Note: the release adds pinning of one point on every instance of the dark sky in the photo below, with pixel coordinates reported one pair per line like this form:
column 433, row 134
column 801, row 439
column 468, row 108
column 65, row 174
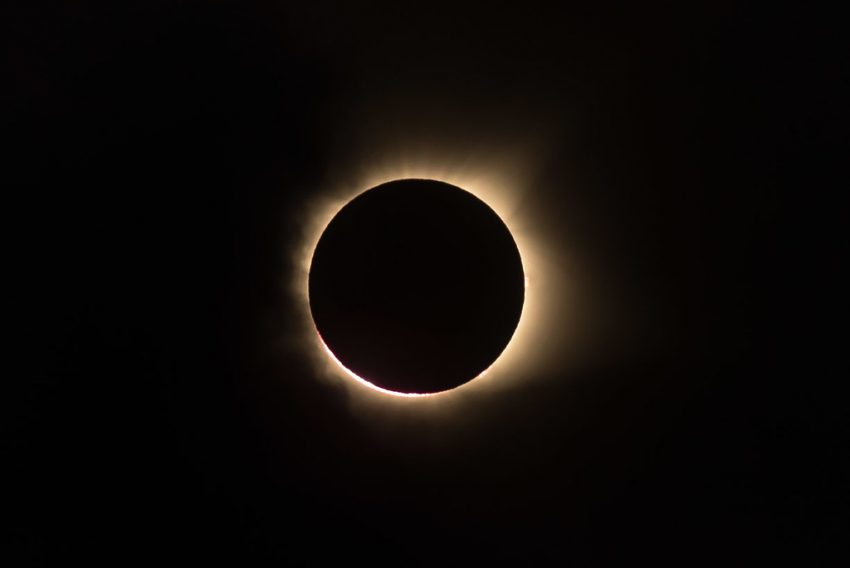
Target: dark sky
column 675, row 166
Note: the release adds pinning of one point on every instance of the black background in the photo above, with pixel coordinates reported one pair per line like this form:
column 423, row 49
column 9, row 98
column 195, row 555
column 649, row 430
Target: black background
column 162, row 154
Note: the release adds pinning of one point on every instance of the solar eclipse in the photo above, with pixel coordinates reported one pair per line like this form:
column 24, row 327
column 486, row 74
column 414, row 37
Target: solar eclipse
column 416, row 287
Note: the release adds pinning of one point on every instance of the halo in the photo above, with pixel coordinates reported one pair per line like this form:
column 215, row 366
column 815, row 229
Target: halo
column 501, row 192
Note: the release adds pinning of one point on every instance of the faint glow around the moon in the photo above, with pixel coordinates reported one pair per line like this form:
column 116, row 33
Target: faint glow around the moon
column 503, row 191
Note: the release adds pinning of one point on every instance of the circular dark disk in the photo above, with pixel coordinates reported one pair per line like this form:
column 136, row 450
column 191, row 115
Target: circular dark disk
column 416, row 286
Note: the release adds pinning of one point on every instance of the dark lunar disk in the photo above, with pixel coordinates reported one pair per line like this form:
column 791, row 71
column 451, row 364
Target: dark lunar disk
column 416, row 286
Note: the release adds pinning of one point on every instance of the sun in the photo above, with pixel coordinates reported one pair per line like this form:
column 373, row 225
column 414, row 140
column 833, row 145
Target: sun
column 502, row 190
column 416, row 286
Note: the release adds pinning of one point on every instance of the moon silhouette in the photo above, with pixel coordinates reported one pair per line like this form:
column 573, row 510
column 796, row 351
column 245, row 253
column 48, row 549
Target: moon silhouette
column 416, row 286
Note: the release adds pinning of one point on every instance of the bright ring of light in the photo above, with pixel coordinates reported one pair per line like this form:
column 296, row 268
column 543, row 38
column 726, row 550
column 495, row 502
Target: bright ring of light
column 502, row 196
